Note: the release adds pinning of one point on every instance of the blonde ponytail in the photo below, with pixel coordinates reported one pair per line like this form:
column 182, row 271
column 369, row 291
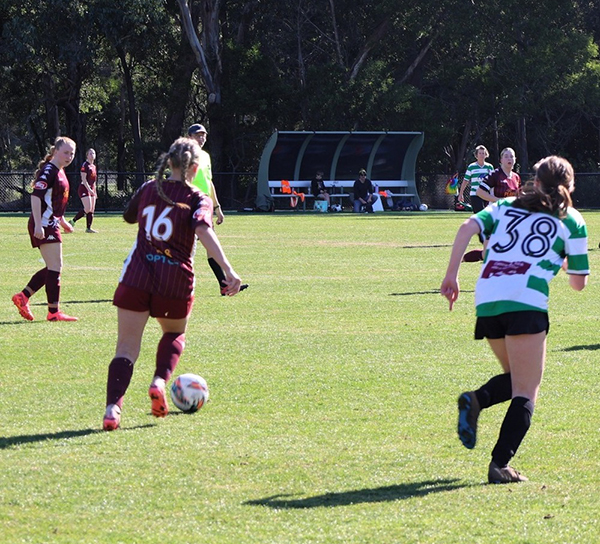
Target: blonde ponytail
column 182, row 153
column 58, row 143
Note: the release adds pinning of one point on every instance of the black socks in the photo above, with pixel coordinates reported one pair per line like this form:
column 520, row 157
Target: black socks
column 514, row 428
column 497, row 390
column 217, row 271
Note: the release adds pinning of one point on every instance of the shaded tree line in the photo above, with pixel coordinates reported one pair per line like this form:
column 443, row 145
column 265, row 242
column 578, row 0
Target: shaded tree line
column 128, row 77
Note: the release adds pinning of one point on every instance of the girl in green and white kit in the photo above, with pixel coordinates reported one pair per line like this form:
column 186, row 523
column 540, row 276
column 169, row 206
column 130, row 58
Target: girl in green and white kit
column 476, row 171
column 531, row 237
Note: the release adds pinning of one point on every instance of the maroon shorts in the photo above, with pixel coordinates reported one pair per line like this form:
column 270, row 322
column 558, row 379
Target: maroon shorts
column 82, row 191
column 51, row 235
column 136, row 300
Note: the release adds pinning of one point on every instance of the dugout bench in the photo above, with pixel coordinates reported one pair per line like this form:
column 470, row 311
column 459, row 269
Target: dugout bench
column 290, row 160
column 298, row 192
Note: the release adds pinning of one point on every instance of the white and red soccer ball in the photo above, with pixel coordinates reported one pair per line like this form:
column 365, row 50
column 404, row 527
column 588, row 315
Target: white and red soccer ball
column 189, row 392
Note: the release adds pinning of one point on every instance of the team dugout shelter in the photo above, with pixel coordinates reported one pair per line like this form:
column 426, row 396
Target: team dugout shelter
column 293, row 157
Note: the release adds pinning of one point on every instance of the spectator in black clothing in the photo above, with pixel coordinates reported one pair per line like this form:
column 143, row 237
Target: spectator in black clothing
column 318, row 189
column 364, row 194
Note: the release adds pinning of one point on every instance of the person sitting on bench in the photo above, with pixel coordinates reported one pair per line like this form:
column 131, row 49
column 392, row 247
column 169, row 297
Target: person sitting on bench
column 318, row 189
column 364, row 194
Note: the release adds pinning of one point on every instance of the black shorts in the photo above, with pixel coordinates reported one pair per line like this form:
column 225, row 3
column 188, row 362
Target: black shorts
column 511, row 324
column 478, row 204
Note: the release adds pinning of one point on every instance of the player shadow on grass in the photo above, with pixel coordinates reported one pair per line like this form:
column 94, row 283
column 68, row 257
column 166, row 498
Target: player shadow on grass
column 587, row 347
column 432, row 292
column 426, row 247
column 378, row 494
column 42, row 303
column 7, row 442
column 100, row 301
column 173, row 413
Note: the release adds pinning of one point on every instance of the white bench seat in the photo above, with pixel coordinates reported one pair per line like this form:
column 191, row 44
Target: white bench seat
column 338, row 189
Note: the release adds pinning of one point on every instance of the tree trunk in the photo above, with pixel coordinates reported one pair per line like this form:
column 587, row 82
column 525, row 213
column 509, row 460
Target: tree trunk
column 121, row 166
column 208, row 77
column 523, row 155
column 51, row 108
column 336, row 36
column 373, row 40
column 463, row 146
column 183, row 69
column 496, row 145
column 208, row 58
column 418, row 59
column 134, row 117
column 73, row 120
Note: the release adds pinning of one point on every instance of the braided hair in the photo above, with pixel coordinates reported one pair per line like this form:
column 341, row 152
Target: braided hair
column 552, row 192
column 182, row 153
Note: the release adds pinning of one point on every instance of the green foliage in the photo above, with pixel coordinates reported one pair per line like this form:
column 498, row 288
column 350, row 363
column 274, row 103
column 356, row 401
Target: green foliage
column 463, row 72
column 333, row 384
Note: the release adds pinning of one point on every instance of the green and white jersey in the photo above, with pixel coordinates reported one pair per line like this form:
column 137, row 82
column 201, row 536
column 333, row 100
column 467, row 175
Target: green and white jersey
column 204, row 175
column 525, row 251
column 476, row 173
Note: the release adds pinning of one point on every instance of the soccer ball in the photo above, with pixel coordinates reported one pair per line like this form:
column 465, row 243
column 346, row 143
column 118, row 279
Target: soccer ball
column 189, row 392
column 336, row 207
column 423, row 207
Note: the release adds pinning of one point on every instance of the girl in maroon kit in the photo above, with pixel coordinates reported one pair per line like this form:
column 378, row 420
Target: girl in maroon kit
column 501, row 183
column 48, row 205
column 158, row 276
column 87, row 191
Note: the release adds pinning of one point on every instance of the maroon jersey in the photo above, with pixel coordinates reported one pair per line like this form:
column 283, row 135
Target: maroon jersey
column 500, row 185
column 90, row 172
column 52, row 188
column 161, row 260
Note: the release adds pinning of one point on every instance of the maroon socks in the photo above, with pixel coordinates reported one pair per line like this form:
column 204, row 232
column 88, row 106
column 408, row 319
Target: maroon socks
column 120, row 371
column 79, row 215
column 169, row 350
column 37, row 281
column 53, row 289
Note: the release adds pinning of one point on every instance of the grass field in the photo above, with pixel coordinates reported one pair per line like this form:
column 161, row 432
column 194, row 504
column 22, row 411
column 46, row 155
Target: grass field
column 333, row 384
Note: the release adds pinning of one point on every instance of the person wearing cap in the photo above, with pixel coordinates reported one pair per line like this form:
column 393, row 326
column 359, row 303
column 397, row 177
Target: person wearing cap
column 203, row 180
column 364, row 194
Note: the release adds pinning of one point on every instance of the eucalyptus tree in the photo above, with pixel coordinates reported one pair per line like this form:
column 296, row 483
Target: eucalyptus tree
column 46, row 57
column 137, row 32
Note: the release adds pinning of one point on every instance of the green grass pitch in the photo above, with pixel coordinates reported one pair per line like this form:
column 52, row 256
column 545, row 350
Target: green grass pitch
column 333, row 383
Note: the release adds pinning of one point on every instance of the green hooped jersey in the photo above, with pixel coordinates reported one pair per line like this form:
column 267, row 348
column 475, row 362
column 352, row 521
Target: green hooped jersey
column 204, row 175
column 524, row 252
column 476, row 173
